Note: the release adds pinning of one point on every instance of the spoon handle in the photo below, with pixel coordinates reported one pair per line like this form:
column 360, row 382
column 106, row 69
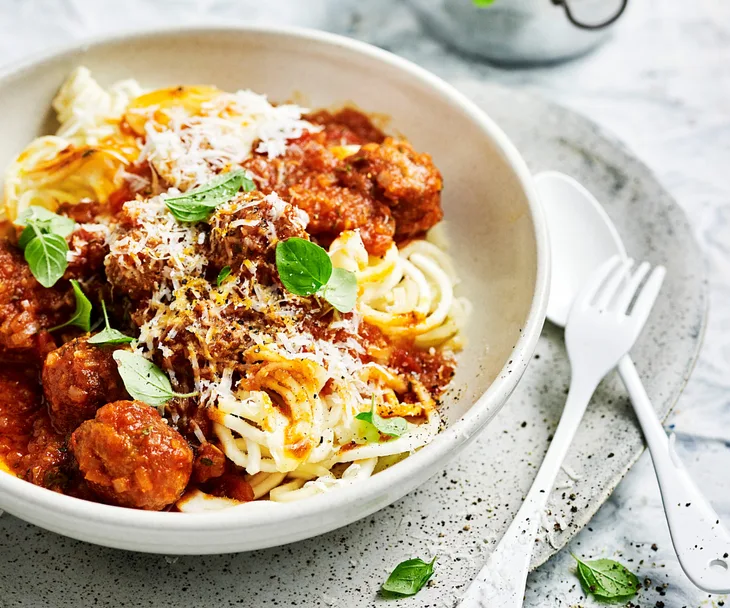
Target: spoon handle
column 701, row 542
column 501, row 581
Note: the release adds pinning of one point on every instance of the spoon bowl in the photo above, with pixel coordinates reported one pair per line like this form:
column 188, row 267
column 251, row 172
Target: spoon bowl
column 577, row 224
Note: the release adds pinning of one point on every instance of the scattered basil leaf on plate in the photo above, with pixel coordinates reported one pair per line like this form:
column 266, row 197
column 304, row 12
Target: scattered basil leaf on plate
column 223, row 275
column 395, row 427
column 109, row 335
column 144, row 380
column 607, row 580
column 409, row 577
column 82, row 315
column 199, row 203
column 306, row 269
column 481, row 3
column 341, row 289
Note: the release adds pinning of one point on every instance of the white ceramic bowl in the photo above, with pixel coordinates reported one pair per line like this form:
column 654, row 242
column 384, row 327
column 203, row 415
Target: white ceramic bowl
column 497, row 232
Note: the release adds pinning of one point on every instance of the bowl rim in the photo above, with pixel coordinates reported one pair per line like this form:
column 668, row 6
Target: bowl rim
column 427, row 458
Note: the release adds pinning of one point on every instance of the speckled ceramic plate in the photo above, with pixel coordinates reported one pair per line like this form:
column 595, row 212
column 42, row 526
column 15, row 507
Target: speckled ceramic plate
column 461, row 513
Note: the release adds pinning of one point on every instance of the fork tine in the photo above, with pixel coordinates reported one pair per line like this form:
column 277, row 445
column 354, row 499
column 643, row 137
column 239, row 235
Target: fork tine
column 648, row 295
column 598, row 278
column 611, row 288
column 632, row 285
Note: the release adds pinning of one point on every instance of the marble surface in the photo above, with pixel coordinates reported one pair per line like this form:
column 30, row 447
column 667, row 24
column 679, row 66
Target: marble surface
column 662, row 85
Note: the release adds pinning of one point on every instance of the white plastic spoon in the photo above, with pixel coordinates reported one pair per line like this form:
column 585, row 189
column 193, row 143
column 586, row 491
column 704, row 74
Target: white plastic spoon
column 582, row 237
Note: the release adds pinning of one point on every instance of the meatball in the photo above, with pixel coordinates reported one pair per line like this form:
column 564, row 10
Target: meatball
column 135, row 265
column 78, row 378
column 130, row 457
column 247, row 229
column 27, row 309
column 307, row 176
column 20, row 401
column 398, row 176
column 306, row 161
column 333, row 209
column 47, row 462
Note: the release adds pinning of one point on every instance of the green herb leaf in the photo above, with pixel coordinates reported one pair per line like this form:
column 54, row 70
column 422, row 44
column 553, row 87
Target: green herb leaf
column 144, row 380
column 82, row 316
column 199, row 203
column 109, row 335
column 46, row 257
column 44, row 219
column 409, row 577
column 44, row 242
column 304, row 268
column 341, row 289
column 26, row 237
column 483, row 3
column 223, row 275
column 395, row 427
column 607, row 580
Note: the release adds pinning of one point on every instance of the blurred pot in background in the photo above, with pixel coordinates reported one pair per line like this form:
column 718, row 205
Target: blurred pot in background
column 520, row 31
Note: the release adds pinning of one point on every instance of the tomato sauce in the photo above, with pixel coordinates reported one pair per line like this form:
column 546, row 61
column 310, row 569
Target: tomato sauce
column 130, row 456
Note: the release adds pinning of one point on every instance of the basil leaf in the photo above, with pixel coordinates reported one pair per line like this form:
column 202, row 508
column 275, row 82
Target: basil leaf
column 82, row 316
column 409, row 577
column 109, row 335
column 223, row 275
column 46, row 257
column 304, row 268
column 395, row 427
column 607, row 580
column 198, row 204
column 46, row 220
column 42, row 240
column 144, row 380
column 482, row 3
column 341, row 290
column 26, row 236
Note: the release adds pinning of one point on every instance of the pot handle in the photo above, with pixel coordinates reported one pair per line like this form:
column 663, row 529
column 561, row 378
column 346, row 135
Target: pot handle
column 590, row 26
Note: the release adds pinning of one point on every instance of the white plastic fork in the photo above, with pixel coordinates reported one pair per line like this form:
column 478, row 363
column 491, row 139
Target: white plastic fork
column 602, row 326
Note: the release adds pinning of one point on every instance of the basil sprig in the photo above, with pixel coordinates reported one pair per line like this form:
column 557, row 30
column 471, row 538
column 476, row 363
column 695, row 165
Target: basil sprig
column 82, row 315
column 223, row 275
column 144, row 380
column 109, row 335
column 395, row 427
column 199, row 203
column 305, row 269
column 409, row 577
column 607, row 580
column 44, row 242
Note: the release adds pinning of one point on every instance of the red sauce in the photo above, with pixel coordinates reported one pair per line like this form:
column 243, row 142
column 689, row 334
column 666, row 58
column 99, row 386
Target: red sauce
column 119, row 451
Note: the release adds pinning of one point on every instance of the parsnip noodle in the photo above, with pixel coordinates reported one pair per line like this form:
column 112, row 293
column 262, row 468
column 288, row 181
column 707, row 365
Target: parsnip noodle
column 279, row 379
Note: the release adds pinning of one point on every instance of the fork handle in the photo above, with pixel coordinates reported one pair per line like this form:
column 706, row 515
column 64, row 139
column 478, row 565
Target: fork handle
column 701, row 542
column 501, row 581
